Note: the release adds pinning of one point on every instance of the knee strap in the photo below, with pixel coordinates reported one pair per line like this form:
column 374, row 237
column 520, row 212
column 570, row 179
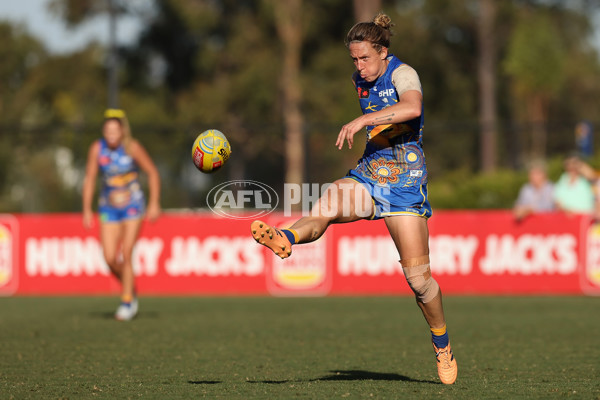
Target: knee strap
column 418, row 275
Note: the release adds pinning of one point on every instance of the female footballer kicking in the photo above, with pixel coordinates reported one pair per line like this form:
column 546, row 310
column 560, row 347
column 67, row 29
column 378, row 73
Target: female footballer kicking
column 121, row 205
column 389, row 181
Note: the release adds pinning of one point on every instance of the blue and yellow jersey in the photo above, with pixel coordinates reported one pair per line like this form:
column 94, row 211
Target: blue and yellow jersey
column 120, row 185
column 394, row 152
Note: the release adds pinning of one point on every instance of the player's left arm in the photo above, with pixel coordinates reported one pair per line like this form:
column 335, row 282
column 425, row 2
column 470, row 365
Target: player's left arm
column 142, row 158
column 409, row 106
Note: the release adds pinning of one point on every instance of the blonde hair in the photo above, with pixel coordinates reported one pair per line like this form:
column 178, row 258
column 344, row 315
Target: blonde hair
column 119, row 116
column 378, row 32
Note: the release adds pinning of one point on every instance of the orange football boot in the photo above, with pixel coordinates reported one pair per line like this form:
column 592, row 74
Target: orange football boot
column 446, row 363
column 271, row 237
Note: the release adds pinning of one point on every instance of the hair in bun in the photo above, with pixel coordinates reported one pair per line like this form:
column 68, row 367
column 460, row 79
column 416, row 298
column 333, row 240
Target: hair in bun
column 377, row 32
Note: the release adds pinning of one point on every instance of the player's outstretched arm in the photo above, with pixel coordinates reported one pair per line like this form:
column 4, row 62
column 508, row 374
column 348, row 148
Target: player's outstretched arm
column 408, row 107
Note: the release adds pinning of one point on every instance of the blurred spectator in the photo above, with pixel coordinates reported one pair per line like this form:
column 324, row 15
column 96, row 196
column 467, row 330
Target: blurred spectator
column 537, row 195
column 573, row 192
column 593, row 177
column 584, row 138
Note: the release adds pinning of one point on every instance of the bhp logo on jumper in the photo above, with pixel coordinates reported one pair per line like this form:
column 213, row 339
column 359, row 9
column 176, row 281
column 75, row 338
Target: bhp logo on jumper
column 386, row 93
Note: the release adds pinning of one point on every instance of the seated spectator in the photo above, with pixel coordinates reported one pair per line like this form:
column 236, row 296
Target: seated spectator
column 573, row 193
column 593, row 176
column 537, row 195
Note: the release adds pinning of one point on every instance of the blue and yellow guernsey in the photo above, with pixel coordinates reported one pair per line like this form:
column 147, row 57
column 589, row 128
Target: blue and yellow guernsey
column 392, row 168
column 121, row 195
column 394, row 153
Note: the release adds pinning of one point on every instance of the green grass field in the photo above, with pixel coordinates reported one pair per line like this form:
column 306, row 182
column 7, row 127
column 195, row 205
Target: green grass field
column 297, row 348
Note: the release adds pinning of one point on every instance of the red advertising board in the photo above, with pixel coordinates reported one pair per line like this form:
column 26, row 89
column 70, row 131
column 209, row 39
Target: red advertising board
column 482, row 252
column 9, row 253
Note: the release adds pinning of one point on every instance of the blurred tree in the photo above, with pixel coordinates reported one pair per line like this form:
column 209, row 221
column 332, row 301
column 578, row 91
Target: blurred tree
column 68, row 86
column 288, row 20
column 365, row 10
column 212, row 64
column 58, row 106
column 73, row 12
column 203, row 64
column 486, row 75
column 20, row 54
column 174, row 39
column 576, row 98
column 329, row 99
column 439, row 39
column 536, row 61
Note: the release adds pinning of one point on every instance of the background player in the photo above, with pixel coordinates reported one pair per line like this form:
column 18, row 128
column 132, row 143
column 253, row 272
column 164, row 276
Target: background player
column 121, row 204
column 390, row 180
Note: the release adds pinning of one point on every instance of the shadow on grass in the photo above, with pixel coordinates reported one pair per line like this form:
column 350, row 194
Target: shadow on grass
column 111, row 315
column 353, row 375
column 204, row 382
column 102, row 315
column 359, row 375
